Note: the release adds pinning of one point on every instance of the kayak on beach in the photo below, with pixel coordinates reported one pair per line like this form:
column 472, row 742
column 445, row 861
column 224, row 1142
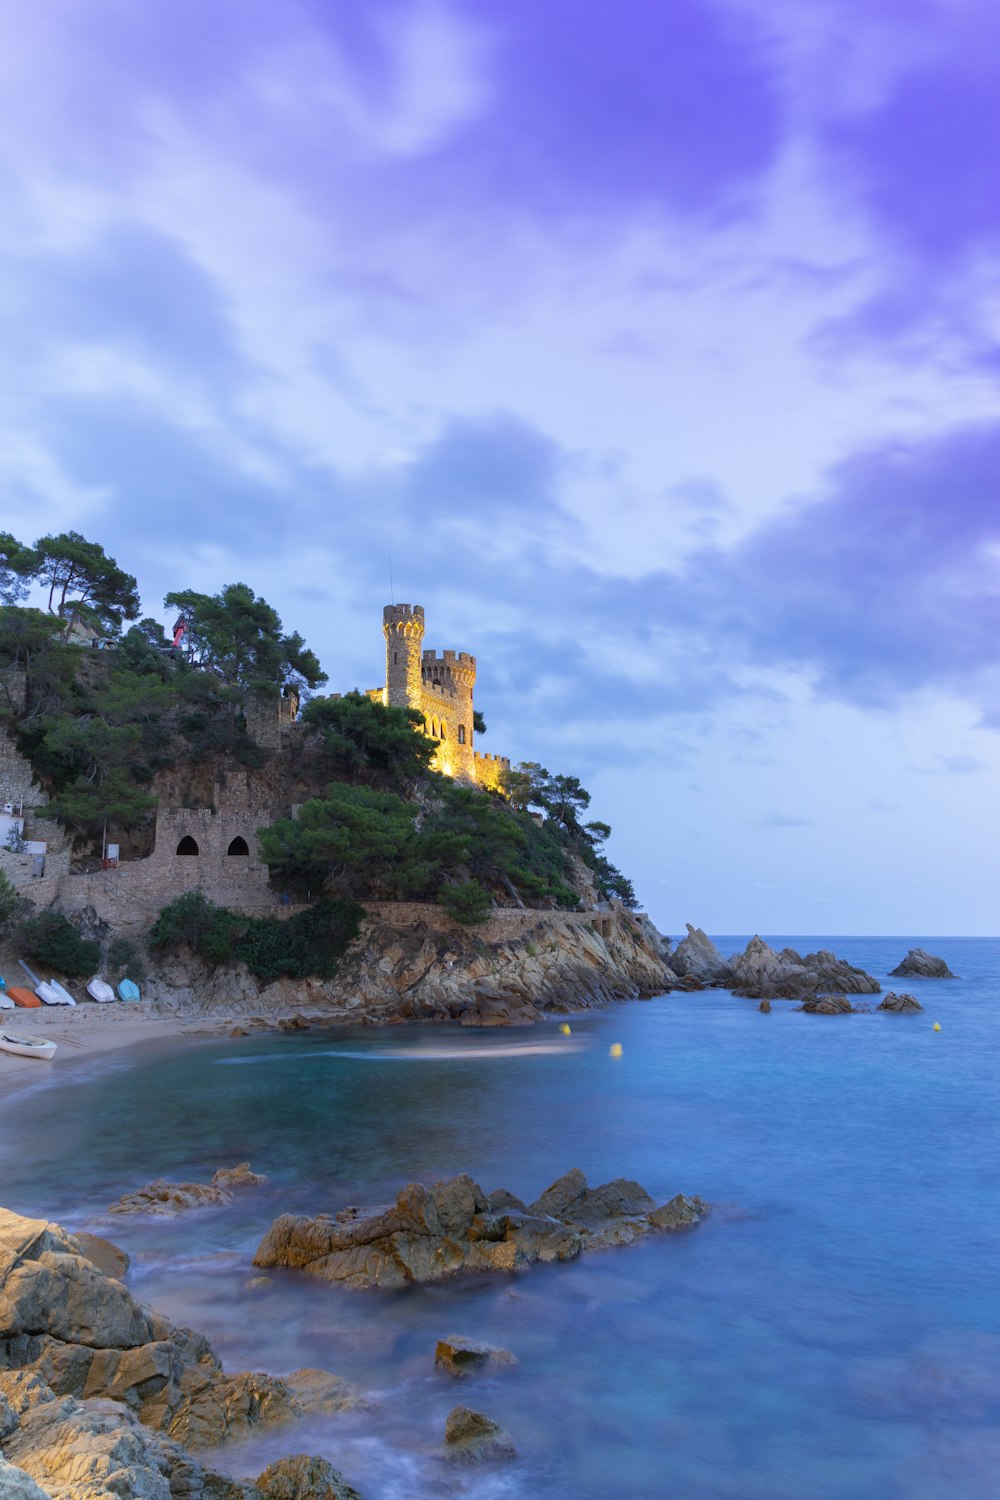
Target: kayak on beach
column 25, row 1046
column 129, row 990
column 99, row 990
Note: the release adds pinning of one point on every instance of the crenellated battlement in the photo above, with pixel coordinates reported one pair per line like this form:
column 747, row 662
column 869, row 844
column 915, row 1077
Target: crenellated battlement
column 440, row 685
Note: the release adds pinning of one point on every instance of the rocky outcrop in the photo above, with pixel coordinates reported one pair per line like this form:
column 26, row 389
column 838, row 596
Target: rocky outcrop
column 95, row 1450
column 304, row 1477
column 759, row 973
column 697, row 957
column 432, row 1233
column 471, row 1437
column 100, row 1396
column 828, row 1005
column 901, row 1004
column 457, row 1355
column 919, row 964
column 166, row 1199
column 430, row 970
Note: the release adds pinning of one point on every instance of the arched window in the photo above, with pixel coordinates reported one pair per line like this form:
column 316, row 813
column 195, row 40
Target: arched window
column 444, row 730
column 461, row 734
column 187, row 845
column 238, row 846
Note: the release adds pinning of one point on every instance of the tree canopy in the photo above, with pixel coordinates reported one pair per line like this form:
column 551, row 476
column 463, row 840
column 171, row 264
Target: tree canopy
column 238, row 635
column 83, row 582
column 15, row 569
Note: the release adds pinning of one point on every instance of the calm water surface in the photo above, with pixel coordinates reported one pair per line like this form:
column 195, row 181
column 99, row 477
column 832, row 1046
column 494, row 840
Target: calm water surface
column 833, row 1330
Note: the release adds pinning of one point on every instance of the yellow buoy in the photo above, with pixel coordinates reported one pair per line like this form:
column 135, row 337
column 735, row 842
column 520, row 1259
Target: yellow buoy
column 564, row 1029
column 937, row 1025
column 615, row 1050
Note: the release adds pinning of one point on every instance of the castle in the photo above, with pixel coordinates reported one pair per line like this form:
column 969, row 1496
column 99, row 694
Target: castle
column 214, row 848
column 439, row 687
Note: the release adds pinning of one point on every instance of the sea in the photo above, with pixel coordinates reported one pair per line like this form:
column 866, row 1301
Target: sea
column 830, row 1332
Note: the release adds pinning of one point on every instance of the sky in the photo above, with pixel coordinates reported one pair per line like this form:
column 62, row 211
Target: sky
column 654, row 346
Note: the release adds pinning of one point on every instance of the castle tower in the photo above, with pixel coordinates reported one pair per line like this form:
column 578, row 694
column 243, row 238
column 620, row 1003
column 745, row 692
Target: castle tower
column 403, row 628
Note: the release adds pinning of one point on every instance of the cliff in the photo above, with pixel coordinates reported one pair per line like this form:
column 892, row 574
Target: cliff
column 411, row 963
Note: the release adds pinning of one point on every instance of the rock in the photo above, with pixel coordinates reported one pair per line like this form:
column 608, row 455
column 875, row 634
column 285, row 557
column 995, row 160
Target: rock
column 294, row 1023
column 302, row 1477
column 901, row 1004
column 96, row 1450
column 457, row 1355
column 318, row 1393
column 697, row 957
column 828, row 1005
column 165, row 1199
column 103, row 1254
column 760, row 973
column 15, row 1484
column 765, row 1007
column 919, row 964
column 471, row 1437
column 81, row 1334
column 453, row 1227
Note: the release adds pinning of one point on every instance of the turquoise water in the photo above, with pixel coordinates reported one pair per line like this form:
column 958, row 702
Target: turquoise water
column 833, row 1329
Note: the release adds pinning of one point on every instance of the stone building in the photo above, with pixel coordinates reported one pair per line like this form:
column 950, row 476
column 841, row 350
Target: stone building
column 441, row 688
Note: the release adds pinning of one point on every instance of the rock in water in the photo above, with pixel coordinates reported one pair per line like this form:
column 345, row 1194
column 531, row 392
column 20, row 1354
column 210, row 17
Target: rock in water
column 919, row 964
column 456, row 1355
column 828, row 1005
column 697, row 957
column 453, row 1227
column 471, row 1437
column 901, row 1004
column 165, row 1199
column 303, row 1477
column 759, row 973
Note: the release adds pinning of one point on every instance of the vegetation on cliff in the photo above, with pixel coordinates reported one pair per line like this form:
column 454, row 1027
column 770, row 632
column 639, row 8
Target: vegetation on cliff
column 110, row 729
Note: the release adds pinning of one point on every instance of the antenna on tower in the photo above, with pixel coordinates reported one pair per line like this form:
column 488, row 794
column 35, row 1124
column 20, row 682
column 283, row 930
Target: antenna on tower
column 392, row 596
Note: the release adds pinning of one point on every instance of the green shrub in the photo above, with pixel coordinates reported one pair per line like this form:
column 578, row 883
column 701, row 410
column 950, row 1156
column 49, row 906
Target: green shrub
column 52, row 940
column 304, row 946
column 468, row 902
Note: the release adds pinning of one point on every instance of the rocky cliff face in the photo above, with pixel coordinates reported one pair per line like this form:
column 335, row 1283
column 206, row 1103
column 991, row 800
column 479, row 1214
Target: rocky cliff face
column 428, row 969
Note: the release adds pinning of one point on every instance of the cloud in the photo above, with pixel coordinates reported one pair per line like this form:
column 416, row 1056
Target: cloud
column 886, row 585
column 782, row 820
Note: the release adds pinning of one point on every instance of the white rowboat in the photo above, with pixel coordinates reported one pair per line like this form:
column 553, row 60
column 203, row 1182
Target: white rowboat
column 6, row 1003
column 98, row 990
column 26, row 1046
column 52, row 993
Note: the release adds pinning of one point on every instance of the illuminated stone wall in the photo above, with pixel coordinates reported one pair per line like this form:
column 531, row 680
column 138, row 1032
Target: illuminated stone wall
column 441, row 687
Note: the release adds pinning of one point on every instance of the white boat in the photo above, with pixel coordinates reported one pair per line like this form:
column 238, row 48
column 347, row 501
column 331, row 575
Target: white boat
column 98, row 990
column 52, row 993
column 27, row 1046
column 6, row 1003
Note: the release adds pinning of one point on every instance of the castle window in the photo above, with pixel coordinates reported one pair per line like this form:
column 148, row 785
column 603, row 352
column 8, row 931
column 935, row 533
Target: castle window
column 395, row 657
column 444, row 730
column 187, row 845
column 238, row 846
column 461, row 734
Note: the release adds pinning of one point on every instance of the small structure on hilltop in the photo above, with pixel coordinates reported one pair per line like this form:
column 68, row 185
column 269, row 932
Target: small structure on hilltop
column 439, row 687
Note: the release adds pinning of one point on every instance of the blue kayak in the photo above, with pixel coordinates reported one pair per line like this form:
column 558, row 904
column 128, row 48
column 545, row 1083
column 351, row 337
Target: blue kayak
column 128, row 990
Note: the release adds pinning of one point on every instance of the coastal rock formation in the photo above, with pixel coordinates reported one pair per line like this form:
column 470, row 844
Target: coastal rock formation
column 828, row 1005
column 918, row 964
column 410, row 963
column 96, row 1381
column 452, row 1227
column 304, row 1477
column 901, row 1004
column 169, row 1198
column 697, row 957
column 456, row 1355
column 759, row 973
column 471, row 1437
column 95, row 1449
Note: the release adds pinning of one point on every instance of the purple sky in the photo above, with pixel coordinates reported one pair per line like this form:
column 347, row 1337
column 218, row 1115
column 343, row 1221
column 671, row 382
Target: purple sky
column 658, row 343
